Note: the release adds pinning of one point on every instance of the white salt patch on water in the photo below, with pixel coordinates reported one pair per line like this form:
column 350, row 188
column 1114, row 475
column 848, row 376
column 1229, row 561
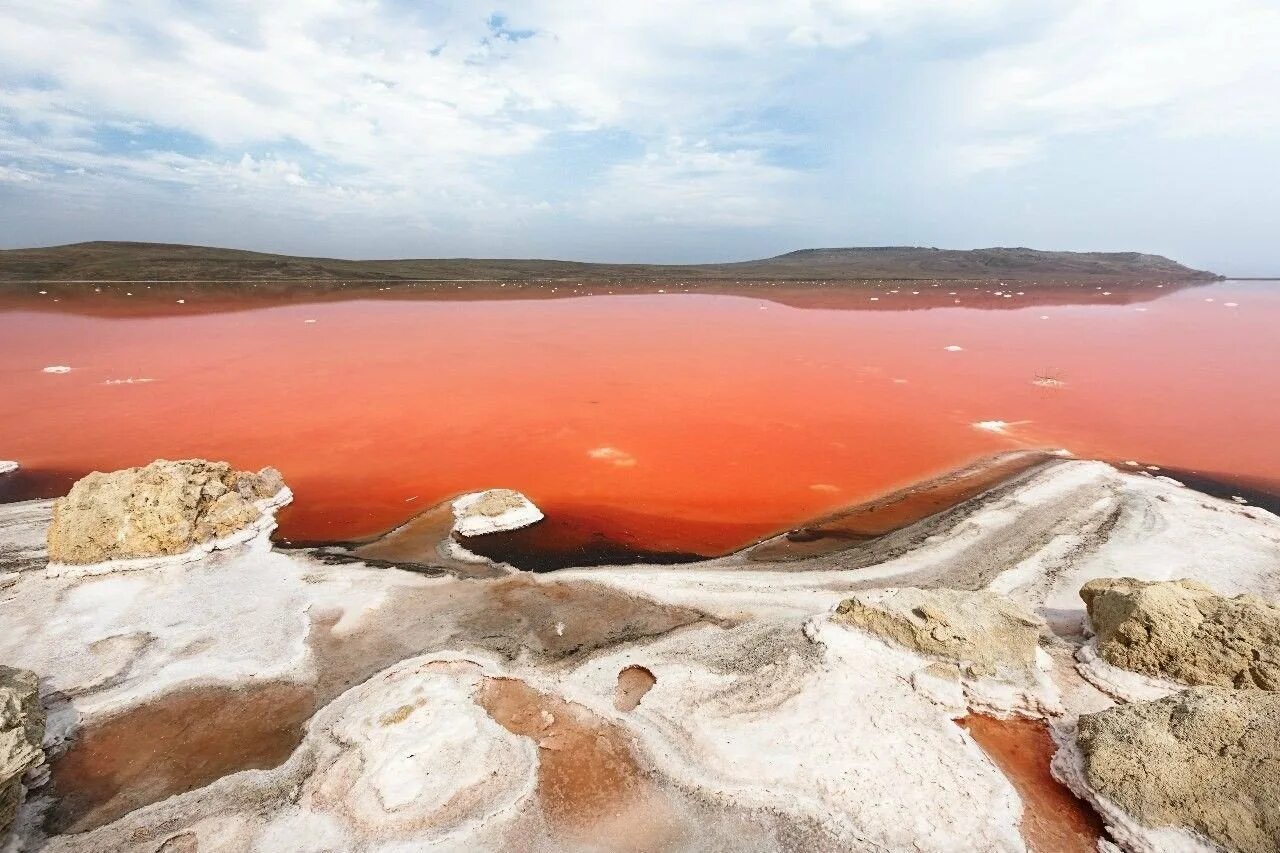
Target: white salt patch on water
column 991, row 426
column 129, row 381
column 613, row 455
column 953, row 348
column 57, row 368
column 308, row 321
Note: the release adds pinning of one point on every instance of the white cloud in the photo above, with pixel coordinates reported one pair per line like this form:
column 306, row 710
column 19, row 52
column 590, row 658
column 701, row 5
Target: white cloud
column 679, row 182
column 428, row 114
column 1185, row 67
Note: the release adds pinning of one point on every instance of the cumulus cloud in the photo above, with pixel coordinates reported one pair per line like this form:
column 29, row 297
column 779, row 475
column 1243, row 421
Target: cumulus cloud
column 458, row 118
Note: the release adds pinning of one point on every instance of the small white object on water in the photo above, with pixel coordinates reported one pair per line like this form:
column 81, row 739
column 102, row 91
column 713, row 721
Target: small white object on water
column 57, row 368
column 1132, row 464
column 954, row 348
column 1044, row 316
column 1231, row 304
column 613, row 455
column 992, row 426
column 44, row 293
column 182, row 302
column 142, row 380
column 470, row 521
column 1208, row 299
column 308, row 321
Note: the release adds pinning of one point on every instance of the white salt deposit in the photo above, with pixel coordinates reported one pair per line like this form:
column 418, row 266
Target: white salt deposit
column 57, row 368
column 8, row 466
column 468, row 521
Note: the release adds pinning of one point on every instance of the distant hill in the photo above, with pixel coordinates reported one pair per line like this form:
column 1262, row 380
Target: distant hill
column 110, row 261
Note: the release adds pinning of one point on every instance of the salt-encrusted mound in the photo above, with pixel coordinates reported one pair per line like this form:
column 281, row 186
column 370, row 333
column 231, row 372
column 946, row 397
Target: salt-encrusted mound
column 162, row 509
column 493, row 511
column 987, row 633
column 1182, row 630
column 8, row 466
column 21, row 736
column 1205, row 760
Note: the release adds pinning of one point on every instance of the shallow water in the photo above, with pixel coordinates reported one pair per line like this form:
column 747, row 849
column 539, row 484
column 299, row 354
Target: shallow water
column 686, row 422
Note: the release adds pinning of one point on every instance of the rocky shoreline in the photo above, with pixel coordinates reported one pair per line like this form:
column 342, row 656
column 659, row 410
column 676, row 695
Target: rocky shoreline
column 200, row 689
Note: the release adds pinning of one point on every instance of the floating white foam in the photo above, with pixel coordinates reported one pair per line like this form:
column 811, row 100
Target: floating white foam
column 953, row 348
column 613, row 455
column 57, row 368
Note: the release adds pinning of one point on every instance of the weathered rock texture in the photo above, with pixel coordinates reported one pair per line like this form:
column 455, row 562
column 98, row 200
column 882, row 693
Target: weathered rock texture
column 162, row 509
column 986, row 633
column 1205, row 759
column 21, row 736
column 493, row 511
column 1182, row 630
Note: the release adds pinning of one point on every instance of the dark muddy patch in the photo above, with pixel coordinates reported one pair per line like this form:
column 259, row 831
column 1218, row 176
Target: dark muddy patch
column 31, row 484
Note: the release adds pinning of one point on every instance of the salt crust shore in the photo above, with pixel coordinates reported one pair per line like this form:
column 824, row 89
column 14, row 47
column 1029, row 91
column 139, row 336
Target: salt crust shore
column 1121, row 683
column 767, row 723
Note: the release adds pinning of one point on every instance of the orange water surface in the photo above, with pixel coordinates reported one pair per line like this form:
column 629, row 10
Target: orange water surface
column 681, row 421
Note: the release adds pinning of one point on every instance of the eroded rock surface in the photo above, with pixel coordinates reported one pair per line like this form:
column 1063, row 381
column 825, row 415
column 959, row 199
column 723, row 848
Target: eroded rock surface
column 1182, row 630
column 493, row 511
column 1205, row 759
column 21, row 736
column 162, row 509
column 989, row 635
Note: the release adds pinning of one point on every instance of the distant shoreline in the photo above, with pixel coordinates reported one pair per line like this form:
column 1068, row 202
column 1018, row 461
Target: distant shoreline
column 103, row 262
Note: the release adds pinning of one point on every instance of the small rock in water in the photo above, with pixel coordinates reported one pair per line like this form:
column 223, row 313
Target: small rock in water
column 493, row 511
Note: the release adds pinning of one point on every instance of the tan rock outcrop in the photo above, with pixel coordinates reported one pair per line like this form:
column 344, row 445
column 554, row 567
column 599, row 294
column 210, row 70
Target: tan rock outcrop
column 1182, row 630
column 1205, row 760
column 21, row 736
column 162, row 509
column 986, row 633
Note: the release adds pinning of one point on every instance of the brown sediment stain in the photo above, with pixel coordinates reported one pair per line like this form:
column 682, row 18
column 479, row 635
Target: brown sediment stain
column 896, row 510
column 517, row 615
column 176, row 743
column 633, row 683
column 1054, row 820
column 590, row 785
column 416, row 541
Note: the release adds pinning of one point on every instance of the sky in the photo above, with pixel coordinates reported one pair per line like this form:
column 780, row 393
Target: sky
column 651, row 131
